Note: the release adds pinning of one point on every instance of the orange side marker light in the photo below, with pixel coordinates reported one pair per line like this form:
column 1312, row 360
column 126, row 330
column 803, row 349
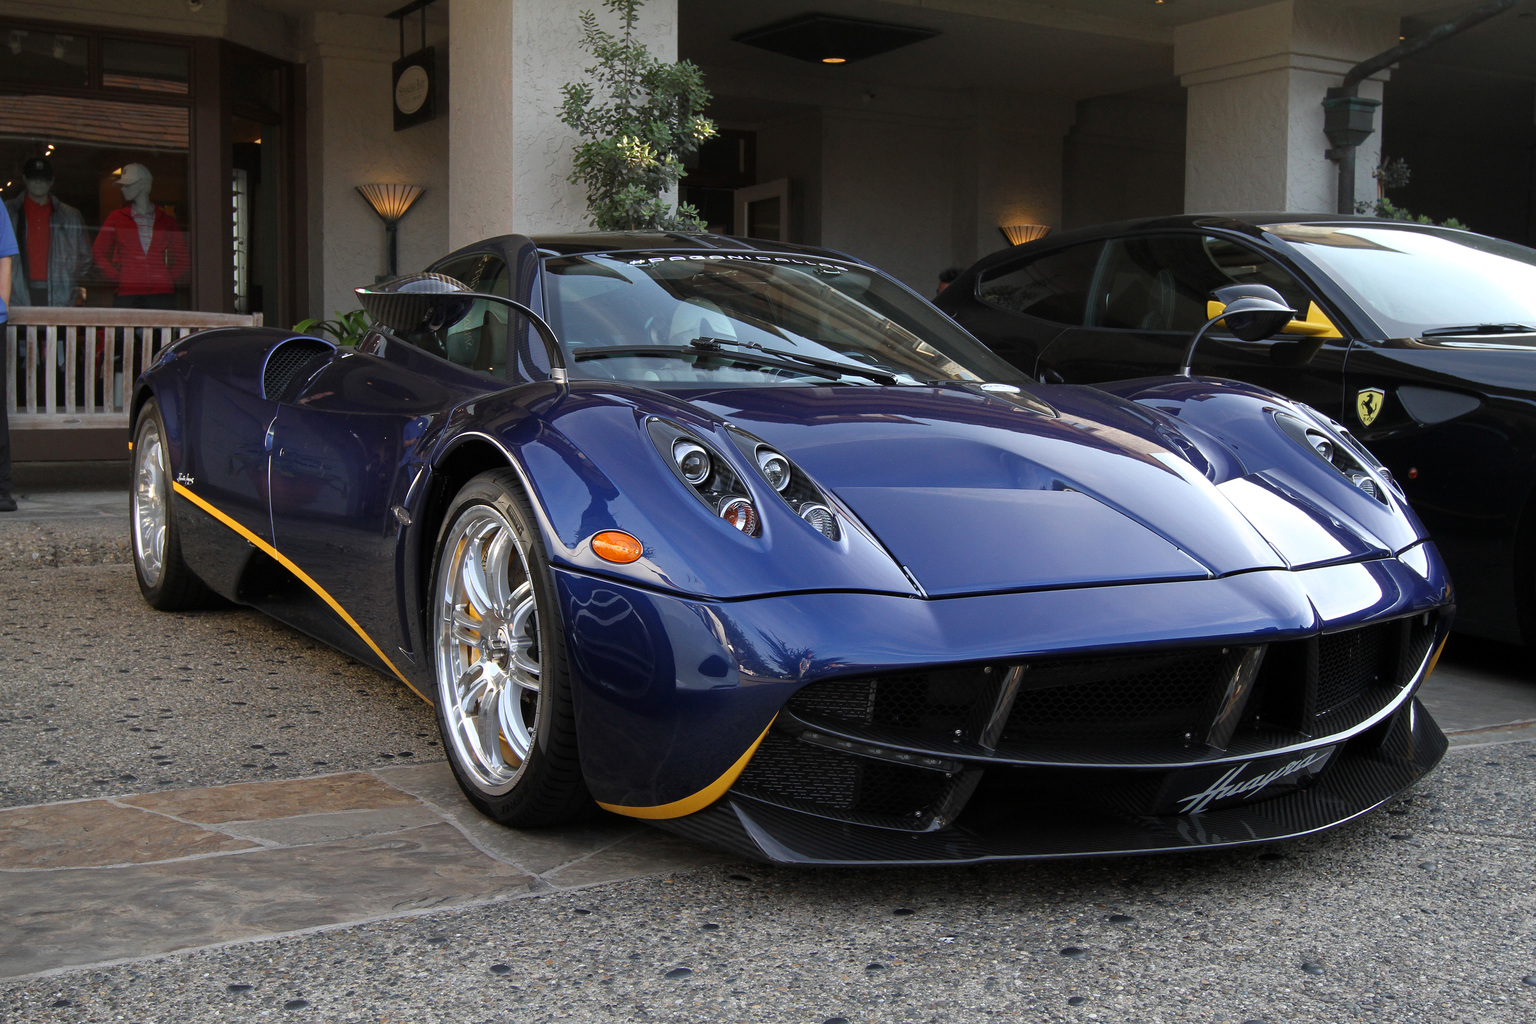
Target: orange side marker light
column 617, row 546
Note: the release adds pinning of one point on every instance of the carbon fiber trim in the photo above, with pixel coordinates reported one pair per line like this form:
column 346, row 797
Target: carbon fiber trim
column 1367, row 772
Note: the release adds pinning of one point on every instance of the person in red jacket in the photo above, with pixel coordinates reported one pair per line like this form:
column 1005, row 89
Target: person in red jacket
column 141, row 247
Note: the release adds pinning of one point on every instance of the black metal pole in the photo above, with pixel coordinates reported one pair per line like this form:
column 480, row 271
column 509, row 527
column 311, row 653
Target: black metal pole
column 392, row 233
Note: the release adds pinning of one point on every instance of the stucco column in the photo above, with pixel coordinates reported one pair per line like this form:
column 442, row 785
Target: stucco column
column 1256, row 82
column 509, row 155
column 351, row 142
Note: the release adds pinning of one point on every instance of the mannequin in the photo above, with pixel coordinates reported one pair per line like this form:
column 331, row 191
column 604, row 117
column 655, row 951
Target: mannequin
column 55, row 250
column 141, row 246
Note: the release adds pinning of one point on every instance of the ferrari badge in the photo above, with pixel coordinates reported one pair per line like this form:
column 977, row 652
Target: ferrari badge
column 1368, row 404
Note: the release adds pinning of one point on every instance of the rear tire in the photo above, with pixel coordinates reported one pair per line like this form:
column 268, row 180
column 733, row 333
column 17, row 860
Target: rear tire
column 164, row 578
column 503, row 699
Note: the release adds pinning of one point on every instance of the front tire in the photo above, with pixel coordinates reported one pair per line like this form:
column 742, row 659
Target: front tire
column 164, row 578
column 503, row 688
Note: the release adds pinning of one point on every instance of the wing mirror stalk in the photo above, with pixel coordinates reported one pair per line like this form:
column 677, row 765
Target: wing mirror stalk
column 435, row 301
column 1253, row 312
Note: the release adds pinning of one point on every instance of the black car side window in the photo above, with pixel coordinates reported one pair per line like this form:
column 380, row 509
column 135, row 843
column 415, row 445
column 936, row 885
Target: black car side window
column 1163, row 282
column 1052, row 287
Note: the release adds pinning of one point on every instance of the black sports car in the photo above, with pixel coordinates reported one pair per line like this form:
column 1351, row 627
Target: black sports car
column 1420, row 339
column 747, row 540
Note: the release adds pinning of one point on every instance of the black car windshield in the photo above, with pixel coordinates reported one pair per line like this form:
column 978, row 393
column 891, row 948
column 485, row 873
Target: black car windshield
column 1416, row 278
column 752, row 319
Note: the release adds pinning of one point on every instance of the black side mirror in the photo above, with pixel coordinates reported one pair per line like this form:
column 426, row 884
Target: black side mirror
column 434, row 301
column 1253, row 312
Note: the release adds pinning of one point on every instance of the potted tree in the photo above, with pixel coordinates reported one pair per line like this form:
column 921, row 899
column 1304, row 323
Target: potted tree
column 638, row 117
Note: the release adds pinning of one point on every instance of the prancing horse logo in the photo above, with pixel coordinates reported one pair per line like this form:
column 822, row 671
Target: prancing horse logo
column 1368, row 404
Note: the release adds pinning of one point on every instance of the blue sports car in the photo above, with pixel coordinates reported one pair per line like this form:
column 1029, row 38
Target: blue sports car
column 748, row 540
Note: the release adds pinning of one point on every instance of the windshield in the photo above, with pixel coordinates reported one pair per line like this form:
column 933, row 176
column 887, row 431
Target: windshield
column 752, row 319
column 1411, row 279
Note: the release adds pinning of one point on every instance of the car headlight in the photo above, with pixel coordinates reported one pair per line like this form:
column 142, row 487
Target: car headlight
column 1333, row 444
column 775, row 468
column 739, row 512
column 692, row 461
column 821, row 518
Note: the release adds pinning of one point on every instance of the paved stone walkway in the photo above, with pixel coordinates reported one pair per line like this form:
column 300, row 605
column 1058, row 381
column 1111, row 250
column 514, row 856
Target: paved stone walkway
column 94, row 881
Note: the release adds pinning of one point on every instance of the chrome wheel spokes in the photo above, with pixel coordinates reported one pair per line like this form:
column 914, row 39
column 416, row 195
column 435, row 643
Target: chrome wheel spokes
column 151, row 505
column 487, row 631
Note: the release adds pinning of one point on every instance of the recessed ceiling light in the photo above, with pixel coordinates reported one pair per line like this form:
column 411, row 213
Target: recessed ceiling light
column 827, row 39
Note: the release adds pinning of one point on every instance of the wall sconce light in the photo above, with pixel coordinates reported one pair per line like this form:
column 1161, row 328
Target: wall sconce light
column 1018, row 234
column 391, row 202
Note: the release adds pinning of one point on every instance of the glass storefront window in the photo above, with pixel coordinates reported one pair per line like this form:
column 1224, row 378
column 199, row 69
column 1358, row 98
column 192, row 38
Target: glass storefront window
column 60, row 161
column 42, row 57
column 152, row 67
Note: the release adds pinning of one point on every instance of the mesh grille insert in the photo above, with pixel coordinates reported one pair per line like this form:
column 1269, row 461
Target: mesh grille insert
column 1351, row 663
column 284, row 363
column 1154, row 697
column 790, row 772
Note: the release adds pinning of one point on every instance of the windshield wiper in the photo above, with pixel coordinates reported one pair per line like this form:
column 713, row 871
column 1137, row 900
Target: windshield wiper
column 1470, row 329
column 707, row 344
column 829, row 369
column 692, row 351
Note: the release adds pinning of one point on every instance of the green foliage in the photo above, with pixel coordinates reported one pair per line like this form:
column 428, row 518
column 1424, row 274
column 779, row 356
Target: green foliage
column 639, row 120
column 1395, row 174
column 348, row 328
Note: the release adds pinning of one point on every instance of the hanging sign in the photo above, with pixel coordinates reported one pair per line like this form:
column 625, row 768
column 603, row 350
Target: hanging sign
column 415, row 81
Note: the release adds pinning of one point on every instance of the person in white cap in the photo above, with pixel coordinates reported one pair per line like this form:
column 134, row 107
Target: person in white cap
column 141, row 247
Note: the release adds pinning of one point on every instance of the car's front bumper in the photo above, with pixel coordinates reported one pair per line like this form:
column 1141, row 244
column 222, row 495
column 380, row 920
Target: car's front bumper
column 706, row 715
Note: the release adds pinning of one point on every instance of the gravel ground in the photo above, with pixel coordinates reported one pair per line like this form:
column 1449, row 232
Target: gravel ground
column 102, row 695
column 1393, row 919
column 1426, row 912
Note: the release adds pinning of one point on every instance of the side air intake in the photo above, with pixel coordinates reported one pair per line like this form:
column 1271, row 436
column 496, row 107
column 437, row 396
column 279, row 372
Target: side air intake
column 284, row 364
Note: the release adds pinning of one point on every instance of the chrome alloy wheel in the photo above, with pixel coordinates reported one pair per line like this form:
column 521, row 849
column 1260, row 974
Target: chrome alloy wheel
column 151, row 503
column 488, row 671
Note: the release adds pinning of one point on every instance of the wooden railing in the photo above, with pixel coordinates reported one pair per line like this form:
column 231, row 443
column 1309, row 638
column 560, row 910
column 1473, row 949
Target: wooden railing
column 75, row 367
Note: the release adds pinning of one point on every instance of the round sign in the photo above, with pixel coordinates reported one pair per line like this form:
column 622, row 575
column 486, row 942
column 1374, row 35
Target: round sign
column 411, row 89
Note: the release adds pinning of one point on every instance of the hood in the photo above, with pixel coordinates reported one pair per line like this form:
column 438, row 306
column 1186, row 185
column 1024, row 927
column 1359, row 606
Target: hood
column 973, row 492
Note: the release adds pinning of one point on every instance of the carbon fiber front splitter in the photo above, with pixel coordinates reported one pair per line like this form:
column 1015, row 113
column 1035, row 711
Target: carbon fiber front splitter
column 1366, row 773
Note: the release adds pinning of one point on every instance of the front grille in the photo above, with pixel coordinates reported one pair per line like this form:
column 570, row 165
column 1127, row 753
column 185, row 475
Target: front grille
column 1147, row 707
column 1349, row 664
column 937, row 701
column 792, row 773
column 1140, row 697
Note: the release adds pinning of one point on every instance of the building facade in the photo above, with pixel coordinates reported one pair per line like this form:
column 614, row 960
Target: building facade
column 257, row 120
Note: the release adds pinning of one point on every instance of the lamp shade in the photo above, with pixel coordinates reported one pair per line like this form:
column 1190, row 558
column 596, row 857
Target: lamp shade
column 1018, row 234
column 390, row 201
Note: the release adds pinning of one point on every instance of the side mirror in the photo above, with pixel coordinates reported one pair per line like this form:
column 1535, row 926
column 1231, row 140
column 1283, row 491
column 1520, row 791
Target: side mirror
column 434, row 301
column 1253, row 312
column 417, row 302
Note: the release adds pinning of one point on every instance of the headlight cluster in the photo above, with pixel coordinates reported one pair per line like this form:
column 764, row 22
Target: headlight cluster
column 1335, row 446
column 716, row 484
column 791, row 484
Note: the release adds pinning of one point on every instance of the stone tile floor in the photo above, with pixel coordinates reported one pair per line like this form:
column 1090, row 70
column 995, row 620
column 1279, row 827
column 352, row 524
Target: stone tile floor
column 93, row 881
